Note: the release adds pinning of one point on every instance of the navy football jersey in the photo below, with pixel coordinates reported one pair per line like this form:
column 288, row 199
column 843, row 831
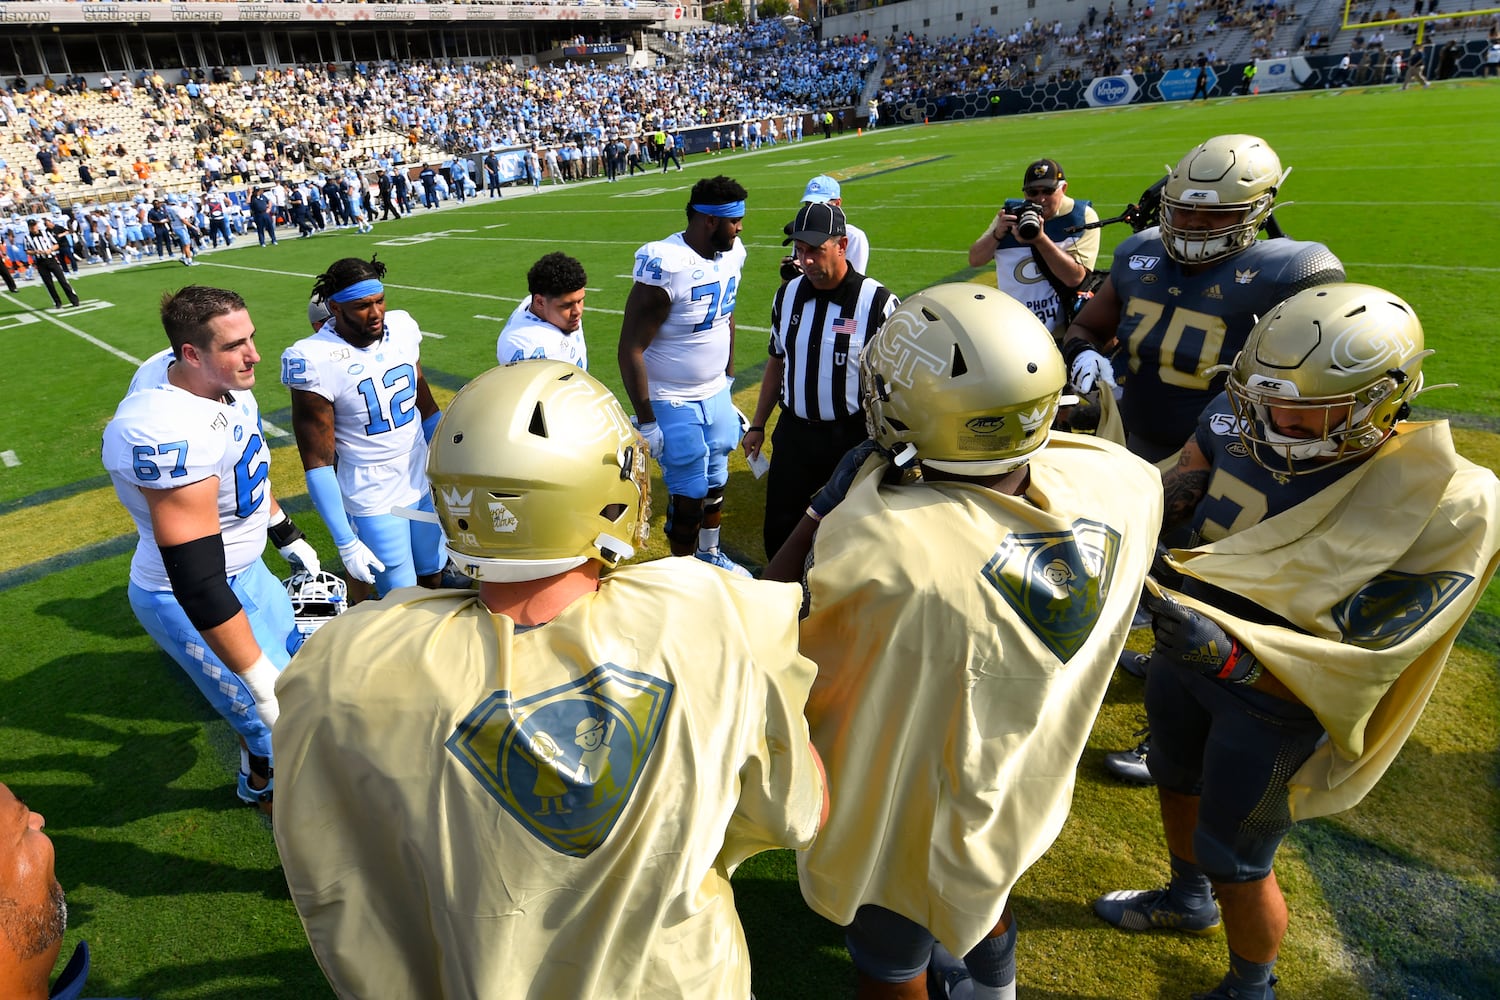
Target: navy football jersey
column 1241, row 493
column 1174, row 326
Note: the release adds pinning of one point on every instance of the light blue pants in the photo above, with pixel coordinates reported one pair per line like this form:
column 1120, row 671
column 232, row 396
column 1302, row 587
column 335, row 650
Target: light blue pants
column 408, row 548
column 270, row 611
column 697, row 438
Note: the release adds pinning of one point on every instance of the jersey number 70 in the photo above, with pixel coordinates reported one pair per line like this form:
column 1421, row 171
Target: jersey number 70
column 1187, row 344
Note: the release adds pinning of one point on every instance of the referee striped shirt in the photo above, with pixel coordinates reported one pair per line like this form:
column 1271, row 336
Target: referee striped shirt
column 820, row 335
column 41, row 243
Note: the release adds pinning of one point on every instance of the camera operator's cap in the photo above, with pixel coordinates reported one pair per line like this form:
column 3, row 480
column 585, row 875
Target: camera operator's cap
column 821, row 189
column 816, row 224
column 1042, row 173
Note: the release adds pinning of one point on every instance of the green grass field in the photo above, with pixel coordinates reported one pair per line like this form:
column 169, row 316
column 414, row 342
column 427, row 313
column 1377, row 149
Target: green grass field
column 177, row 888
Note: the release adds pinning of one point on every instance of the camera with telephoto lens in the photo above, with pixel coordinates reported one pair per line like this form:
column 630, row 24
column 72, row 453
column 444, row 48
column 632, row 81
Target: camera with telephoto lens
column 1028, row 220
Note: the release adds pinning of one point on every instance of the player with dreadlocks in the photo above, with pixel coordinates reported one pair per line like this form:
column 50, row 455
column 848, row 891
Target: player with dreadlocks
column 363, row 414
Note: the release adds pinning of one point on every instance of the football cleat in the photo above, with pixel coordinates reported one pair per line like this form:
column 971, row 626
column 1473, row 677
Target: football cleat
column 1130, row 765
column 1152, row 910
column 254, row 796
column 317, row 598
column 1224, row 991
column 716, row 558
column 1134, row 663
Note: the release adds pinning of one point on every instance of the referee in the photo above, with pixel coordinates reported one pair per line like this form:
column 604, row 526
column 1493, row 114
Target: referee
column 42, row 246
column 820, row 321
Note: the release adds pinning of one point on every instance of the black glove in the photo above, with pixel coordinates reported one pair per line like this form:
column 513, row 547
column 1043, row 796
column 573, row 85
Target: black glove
column 1194, row 641
column 837, row 487
column 1162, row 571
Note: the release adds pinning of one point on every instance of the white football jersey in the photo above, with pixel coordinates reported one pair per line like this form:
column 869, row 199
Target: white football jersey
column 858, row 251
column 164, row 437
column 153, row 371
column 687, row 359
column 377, row 428
column 527, row 335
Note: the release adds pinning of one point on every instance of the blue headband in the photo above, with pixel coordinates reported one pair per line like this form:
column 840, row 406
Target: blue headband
column 358, row 290
column 728, row 210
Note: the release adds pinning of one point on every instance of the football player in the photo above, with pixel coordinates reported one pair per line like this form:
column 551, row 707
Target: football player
column 1285, row 680
column 541, row 789
column 1180, row 299
column 1178, row 304
column 965, row 625
column 187, row 458
column 676, row 357
column 548, row 323
column 362, row 414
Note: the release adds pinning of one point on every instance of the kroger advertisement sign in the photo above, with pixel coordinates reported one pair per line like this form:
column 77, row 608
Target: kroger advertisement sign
column 1108, row 91
column 1179, row 84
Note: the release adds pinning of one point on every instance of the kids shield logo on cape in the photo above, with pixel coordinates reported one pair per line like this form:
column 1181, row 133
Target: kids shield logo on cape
column 565, row 762
column 1057, row 581
column 1392, row 607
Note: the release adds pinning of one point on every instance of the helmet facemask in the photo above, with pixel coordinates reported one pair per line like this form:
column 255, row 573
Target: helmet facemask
column 1343, row 424
column 1341, row 363
column 317, row 599
column 1234, row 229
column 1231, row 178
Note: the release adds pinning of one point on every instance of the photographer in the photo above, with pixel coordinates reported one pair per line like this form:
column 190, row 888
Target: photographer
column 1036, row 260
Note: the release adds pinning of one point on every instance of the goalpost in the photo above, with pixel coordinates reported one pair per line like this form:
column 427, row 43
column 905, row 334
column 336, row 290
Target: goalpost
column 1351, row 16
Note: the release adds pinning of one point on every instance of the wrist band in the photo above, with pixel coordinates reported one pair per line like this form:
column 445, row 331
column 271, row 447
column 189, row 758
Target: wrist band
column 755, row 427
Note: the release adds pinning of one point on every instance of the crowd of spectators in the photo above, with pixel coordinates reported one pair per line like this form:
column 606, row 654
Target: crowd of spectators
column 759, row 71
column 1147, row 38
column 312, row 118
column 285, row 124
column 190, row 133
column 918, row 68
column 1140, row 38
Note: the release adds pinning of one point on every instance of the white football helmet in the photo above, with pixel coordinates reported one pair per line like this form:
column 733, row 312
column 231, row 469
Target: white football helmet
column 1339, row 362
column 317, row 599
column 962, row 378
column 317, row 312
column 1231, row 179
column 535, row 469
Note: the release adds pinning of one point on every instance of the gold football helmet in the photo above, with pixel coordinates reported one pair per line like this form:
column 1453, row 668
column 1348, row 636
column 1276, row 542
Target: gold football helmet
column 1231, row 180
column 1325, row 377
column 963, row 378
column 534, row 470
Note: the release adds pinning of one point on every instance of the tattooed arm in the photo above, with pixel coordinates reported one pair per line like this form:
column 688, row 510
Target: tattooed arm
column 1184, row 485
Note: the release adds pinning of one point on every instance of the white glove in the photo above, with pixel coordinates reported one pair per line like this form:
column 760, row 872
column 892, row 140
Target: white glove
column 301, row 556
column 260, row 680
column 654, row 440
column 1090, row 367
column 359, row 561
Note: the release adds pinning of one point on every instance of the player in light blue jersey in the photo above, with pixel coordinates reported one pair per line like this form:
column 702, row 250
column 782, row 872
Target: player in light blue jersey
column 363, row 414
column 676, row 358
column 549, row 322
column 189, row 461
